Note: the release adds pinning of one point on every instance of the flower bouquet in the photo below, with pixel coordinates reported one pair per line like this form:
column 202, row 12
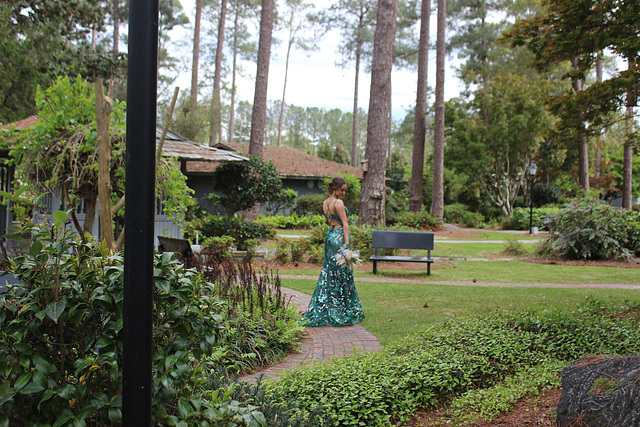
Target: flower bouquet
column 347, row 257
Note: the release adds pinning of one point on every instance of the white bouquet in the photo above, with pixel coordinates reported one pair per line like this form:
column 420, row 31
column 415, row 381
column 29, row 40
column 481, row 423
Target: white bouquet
column 347, row 257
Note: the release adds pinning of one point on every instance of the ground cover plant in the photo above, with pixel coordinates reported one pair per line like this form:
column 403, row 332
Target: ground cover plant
column 457, row 357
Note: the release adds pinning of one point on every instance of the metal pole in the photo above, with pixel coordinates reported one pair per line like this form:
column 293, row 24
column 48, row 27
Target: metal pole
column 531, row 207
column 139, row 213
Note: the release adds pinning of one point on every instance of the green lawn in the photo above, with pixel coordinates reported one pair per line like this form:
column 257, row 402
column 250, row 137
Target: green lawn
column 397, row 309
column 474, row 250
column 496, row 272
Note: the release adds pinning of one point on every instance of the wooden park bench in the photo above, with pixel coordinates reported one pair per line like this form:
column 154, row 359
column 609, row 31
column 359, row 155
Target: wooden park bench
column 402, row 240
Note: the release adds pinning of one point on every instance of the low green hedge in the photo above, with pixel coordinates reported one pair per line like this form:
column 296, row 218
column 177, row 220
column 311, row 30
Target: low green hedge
column 292, row 222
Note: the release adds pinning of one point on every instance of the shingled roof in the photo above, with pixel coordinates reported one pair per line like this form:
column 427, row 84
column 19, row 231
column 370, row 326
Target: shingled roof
column 294, row 163
column 196, row 157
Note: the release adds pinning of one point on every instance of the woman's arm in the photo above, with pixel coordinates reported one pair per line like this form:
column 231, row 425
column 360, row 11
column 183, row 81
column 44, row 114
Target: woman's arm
column 345, row 222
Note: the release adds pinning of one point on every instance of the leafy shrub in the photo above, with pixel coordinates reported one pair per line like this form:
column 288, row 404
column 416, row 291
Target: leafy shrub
column 588, row 229
column 459, row 213
column 361, row 240
column 260, row 327
column 519, row 218
column 473, row 219
column 453, row 213
column 452, row 358
column 61, row 326
column 310, row 204
column 419, row 220
column 292, row 222
column 218, row 248
column 241, row 231
column 283, row 254
column 514, row 247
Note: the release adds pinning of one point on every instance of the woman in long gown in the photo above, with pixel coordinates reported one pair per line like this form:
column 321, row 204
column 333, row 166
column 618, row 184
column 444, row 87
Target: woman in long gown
column 335, row 301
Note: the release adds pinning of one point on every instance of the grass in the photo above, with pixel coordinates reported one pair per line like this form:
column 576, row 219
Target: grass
column 394, row 310
column 495, row 272
column 473, row 250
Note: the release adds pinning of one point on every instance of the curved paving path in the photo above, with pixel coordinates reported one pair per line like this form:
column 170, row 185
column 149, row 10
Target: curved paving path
column 320, row 343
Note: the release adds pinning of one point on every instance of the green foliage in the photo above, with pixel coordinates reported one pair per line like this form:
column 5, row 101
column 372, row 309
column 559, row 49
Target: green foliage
column 40, row 41
column 283, row 203
column 243, row 184
column 487, row 403
column 422, row 220
column 61, row 325
column 454, row 358
column 310, row 204
column 214, row 226
column 60, row 151
column 218, row 248
column 292, row 222
column 361, row 239
column 260, row 327
column 590, row 229
column 546, row 194
column 459, row 213
column 519, row 218
column 495, row 135
column 514, row 247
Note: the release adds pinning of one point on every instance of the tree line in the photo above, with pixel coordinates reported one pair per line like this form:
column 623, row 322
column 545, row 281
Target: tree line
column 541, row 85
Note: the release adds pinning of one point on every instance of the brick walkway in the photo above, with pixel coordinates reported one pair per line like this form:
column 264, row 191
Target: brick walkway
column 321, row 343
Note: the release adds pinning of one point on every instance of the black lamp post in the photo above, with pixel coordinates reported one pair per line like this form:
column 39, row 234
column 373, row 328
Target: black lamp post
column 532, row 172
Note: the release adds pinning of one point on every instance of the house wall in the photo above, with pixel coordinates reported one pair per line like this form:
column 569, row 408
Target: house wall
column 53, row 202
column 202, row 186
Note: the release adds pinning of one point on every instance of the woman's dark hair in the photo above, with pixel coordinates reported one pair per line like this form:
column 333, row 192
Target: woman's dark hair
column 335, row 183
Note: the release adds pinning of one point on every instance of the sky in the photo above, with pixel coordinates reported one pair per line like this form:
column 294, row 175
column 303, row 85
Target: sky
column 314, row 79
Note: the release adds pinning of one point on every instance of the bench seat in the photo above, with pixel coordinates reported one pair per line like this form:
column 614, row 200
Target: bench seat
column 402, row 240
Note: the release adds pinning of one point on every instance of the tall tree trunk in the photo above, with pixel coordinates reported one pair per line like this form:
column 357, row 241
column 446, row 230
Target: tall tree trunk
column 216, row 105
column 420, row 120
column 259, row 112
column 90, row 214
column 437, row 202
column 103, row 111
column 583, row 144
column 597, row 157
column 372, row 195
column 627, row 162
column 232, row 107
column 193, row 100
column 284, row 87
column 116, row 40
column 354, row 127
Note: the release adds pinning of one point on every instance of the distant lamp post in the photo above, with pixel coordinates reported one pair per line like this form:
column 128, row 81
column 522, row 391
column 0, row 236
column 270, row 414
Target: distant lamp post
column 532, row 172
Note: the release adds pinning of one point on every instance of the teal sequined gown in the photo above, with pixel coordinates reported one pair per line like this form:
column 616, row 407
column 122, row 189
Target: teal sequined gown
column 335, row 301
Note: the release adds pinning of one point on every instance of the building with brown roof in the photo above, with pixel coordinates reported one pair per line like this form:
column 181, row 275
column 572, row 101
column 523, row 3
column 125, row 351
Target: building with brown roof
column 298, row 170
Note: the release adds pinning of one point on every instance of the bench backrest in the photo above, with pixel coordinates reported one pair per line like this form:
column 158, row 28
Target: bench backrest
column 402, row 239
